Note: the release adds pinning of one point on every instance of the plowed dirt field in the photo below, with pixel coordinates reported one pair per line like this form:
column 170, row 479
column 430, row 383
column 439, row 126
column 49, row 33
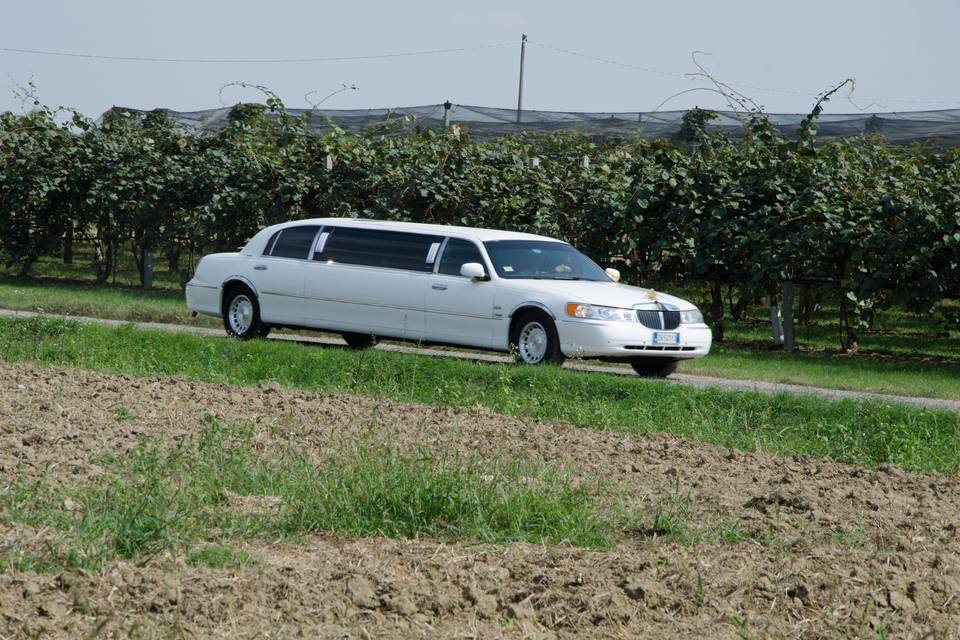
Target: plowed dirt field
column 827, row 550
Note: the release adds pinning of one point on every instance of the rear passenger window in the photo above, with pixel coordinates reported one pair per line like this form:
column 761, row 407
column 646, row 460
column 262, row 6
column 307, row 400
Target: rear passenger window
column 376, row 248
column 456, row 254
column 267, row 248
column 294, row 242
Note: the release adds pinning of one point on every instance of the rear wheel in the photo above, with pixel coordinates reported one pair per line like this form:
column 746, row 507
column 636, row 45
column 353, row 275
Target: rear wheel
column 534, row 339
column 359, row 340
column 241, row 314
column 654, row 367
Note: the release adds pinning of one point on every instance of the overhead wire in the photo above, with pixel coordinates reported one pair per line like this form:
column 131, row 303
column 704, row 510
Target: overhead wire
column 743, row 85
column 402, row 54
column 427, row 52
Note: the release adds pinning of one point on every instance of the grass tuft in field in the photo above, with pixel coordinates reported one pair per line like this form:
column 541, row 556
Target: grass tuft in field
column 201, row 493
column 219, row 556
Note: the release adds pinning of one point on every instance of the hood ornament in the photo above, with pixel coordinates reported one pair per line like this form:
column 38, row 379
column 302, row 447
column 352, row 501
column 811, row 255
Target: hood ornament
column 652, row 294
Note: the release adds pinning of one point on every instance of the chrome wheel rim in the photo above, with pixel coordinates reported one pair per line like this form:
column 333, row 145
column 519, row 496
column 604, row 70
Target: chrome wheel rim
column 532, row 344
column 240, row 314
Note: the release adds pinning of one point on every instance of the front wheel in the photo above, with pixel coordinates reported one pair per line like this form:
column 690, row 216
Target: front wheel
column 534, row 339
column 654, row 367
column 241, row 314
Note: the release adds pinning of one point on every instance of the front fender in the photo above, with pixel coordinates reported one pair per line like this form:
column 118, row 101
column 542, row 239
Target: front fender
column 532, row 303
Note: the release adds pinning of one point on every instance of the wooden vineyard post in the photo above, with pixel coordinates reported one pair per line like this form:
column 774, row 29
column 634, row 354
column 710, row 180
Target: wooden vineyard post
column 68, row 245
column 147, row 270
column 776, row 324
column 788, row 316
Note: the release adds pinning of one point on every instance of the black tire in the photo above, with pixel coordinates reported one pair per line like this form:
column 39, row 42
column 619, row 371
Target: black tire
column 359, row 340
column 654, row 367
column 534, row 339
column 264, row 330
column 241, row 314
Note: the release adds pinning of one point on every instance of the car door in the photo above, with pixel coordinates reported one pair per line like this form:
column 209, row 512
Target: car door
column 278, row 274
column 370, row 281
column 457, row 309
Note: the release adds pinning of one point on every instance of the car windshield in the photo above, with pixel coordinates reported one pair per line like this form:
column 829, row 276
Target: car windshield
column 542, row 260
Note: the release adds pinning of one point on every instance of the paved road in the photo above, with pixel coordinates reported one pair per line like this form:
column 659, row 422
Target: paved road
column 677, row 378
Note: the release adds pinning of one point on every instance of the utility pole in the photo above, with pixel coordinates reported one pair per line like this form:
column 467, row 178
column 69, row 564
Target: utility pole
column 523, row 51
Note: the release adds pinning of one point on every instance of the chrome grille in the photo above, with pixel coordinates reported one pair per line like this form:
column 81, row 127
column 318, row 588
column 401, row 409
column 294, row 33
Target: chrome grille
column 651, row 319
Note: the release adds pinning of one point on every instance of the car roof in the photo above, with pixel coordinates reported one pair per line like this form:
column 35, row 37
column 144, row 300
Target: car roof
column 481, row 235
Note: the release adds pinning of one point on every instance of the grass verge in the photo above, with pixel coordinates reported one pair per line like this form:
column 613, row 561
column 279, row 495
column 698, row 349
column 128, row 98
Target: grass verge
column 867, row 433
column 99, row 301
column 897, row 376
column 905, row 359
column 204, row 492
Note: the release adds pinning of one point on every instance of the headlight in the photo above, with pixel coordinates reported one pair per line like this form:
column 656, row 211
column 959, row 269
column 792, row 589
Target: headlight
column 594, row 312
column 691, row 317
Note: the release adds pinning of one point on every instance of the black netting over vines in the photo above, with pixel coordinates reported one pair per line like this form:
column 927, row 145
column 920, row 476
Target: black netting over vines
column 938, row 127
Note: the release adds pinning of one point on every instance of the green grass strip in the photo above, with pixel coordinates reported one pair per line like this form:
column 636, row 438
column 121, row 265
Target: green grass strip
column 861, row 432
column 916, row 364
column 857, row 373
column 99, row 301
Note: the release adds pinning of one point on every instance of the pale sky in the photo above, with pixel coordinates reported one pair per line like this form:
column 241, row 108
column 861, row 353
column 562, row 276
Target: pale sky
column 903, row 54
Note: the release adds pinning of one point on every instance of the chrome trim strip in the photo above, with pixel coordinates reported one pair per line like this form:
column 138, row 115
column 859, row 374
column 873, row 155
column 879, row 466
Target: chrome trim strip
column 322, row 238
column 313, row 245
column 283, row 295
column 439, row 256
column 461, row 315
column 432, row 253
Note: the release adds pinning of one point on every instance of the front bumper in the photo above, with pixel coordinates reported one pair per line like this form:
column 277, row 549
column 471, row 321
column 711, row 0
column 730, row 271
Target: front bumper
column 625, row 340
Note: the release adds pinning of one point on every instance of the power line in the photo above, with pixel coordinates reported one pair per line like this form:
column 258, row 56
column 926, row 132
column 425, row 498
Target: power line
column 427, row 52
column 607, row 60
column 405, row 54
column 734, row 84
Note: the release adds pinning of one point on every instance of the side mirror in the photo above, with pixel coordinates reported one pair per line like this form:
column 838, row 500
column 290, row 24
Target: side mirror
column 613, row 273
column 473, row 270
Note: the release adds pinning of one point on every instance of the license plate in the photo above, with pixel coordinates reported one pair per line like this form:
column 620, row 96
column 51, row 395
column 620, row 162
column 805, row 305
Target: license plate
column 660, row 337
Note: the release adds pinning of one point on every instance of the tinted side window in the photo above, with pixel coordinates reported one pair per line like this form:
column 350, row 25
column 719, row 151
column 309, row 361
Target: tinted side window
column 269, row 246
column 294, row 242
column 456, row 254
column 375, row 248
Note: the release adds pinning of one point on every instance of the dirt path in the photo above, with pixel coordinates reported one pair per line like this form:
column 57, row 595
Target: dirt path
column 830, row 550
column 678, row 378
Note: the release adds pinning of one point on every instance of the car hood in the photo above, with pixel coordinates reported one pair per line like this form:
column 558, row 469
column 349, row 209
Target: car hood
column 611, row 294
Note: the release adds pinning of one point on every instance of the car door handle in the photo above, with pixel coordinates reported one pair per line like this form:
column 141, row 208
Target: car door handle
column 260, row 267
column 438, row 286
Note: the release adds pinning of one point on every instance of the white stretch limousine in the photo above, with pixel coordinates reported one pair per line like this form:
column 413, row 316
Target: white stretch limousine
column 498, row 290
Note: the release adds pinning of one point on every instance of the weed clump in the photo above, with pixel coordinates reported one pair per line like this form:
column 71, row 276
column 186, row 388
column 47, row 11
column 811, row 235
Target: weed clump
column 217, row 487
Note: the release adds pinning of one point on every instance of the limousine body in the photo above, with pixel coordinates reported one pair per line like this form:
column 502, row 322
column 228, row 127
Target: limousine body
column 364, row 279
